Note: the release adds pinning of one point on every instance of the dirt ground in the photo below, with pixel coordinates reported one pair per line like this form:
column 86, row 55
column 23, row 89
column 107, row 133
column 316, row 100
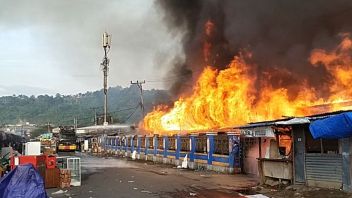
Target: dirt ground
column 301, row 191
column 120, row 177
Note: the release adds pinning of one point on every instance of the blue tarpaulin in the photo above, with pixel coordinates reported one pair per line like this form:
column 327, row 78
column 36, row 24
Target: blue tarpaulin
column 335, row 127
column 23, row 181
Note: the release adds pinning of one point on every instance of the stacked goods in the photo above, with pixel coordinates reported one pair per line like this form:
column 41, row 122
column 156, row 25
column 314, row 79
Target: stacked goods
column 50, row 161
column 65, row 178
column 2, row 170
column 48, row 146
column 95, row 147
column 38, row 161
column 45, row 143
column 52, row 177
column 48, row 151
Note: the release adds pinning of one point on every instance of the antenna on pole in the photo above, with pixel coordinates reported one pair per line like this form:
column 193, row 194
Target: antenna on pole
column 106, row 42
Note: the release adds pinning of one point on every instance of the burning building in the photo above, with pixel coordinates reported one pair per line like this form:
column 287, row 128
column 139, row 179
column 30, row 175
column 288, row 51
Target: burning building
column 250, row 69
column 244, row 63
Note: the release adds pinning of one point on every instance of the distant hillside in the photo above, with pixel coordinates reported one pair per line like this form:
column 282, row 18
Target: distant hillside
column 61, row 109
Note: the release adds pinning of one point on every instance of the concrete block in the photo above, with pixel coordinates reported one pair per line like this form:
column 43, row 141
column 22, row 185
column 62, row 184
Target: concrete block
column 166, row 160
column 209, row 167
column 177, row 162
column 231, row 170
column 191, row 165
column 159, row 159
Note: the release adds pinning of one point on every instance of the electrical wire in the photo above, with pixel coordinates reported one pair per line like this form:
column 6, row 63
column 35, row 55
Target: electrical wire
column 130, row 115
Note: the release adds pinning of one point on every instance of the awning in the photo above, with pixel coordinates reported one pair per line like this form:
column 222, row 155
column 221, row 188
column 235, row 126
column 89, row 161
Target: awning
column 258, row 132
column 335, row 127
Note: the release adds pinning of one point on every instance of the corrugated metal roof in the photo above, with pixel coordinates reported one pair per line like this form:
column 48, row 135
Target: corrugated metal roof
column 273, row 122
column 108, row 129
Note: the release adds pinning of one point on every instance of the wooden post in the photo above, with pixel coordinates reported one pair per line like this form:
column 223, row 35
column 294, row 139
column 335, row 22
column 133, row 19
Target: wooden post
column 260, row 147
column 260, row 162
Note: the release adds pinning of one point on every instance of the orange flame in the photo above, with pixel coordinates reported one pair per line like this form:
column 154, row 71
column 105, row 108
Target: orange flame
column 228, row 97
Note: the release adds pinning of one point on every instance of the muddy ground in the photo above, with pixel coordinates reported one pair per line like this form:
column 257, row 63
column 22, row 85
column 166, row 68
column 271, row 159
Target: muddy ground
column 120, row 177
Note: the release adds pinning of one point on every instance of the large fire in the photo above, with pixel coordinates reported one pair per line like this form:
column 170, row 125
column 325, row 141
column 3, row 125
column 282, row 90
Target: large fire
column 229, row 97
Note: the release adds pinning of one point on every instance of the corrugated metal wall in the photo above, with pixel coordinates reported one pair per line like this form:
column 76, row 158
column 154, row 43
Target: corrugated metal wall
column 324, row 167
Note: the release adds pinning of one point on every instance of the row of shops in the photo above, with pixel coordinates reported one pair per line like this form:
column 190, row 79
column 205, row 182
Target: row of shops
column 296, row 150
column 313, row 150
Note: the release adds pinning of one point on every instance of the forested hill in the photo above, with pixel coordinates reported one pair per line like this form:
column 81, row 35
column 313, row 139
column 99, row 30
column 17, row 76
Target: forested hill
column 61, row 109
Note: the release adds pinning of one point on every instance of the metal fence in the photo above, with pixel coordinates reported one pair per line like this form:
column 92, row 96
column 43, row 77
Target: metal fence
column 185, row 143
column 172, row 142
column 143, row 142
column 205, row 145
column 221, row 142
column 201, row 144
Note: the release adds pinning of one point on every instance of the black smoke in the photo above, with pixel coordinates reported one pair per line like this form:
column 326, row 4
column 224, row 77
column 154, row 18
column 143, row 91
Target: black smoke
column 280, row 35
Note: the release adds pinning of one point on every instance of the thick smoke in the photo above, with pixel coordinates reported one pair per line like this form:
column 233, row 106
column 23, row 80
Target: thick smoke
column 279, row 34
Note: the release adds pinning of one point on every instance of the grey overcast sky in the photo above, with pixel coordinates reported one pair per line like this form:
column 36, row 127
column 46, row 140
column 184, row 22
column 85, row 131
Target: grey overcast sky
column 49, row 47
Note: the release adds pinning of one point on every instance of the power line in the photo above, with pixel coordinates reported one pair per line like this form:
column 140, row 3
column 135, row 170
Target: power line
column 89, row 117
column 128, row 117
column 140, row 86
column 68, row 121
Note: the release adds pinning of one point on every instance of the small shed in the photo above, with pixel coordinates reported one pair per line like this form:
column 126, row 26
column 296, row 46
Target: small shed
column 266, row 151
column 322, row 151
column 313, row 150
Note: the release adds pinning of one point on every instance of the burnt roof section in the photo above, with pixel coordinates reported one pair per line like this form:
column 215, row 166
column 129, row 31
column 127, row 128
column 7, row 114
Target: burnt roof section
column 272, row 122
column 326, row 115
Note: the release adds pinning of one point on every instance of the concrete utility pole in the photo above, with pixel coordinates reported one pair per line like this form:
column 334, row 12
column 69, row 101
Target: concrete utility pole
column 75, row 123
column 106, row 41
column 95, row 114
column 140, row 86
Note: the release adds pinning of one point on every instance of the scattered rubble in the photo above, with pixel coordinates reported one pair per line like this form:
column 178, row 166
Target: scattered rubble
column 272, row 182
column 192, row 194
column 256, row 196
column 59, row 192
column 185, row 162
column 134, row 155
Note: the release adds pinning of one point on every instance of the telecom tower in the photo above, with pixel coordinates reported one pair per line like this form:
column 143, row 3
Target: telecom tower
column 106, row 41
